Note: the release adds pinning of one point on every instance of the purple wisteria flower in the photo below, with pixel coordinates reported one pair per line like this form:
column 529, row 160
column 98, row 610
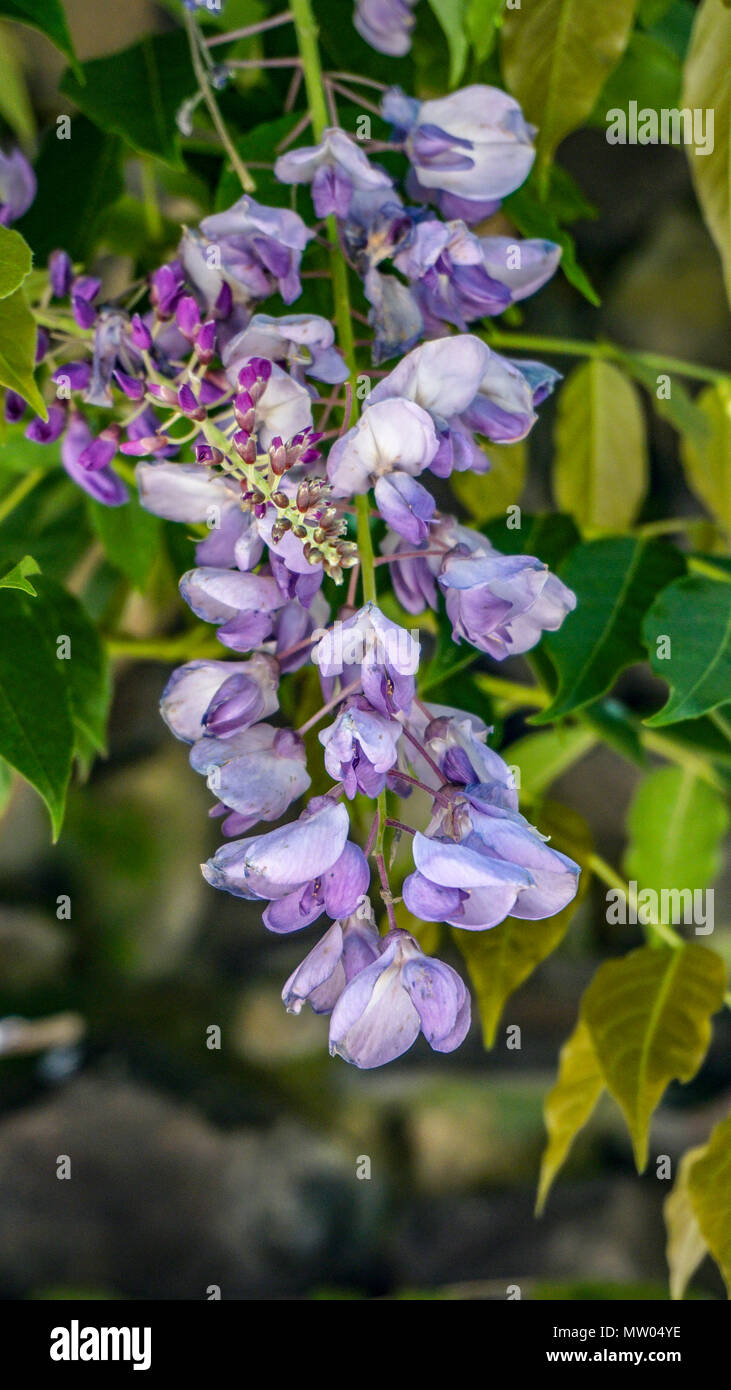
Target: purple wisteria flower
column 402, row 993
column 251, row 248
column 472, row 147
column 302, row 344
column 393, row 434
column 17, row 186
column 240, row 603
column 386, row 656
column 452, row 283
column 361, row 747
column 305, row 868
column 405, row 505
column 468, row 389
column 219, row 697
column 502, row 604
column 346, row 948
column 257, row 772
column 385, row 24
column 336, row 169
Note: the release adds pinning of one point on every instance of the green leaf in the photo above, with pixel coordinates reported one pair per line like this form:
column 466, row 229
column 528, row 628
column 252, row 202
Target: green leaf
column 600, row 471
column 695, row 615
column 452, row 15
column 17, row 577
column 544, row 757
column 90, row 163
column 569, row 1105
column 130, row 536
column 501, row 959
column 18, row 335
column 649, row 74
column 707, row 463
column 709, row 1184
column 48, row 17
column 36, row 732
column 557, row 55
column 706, row 88
column 536, row 218
column 484, row 495
column 685, row 1244
column 85, row 670
column 615, row 581
column 481, row 22
column 649, row 1018
column 136, row 93
column 15, row 261
column 675, row 825
column 550, row 536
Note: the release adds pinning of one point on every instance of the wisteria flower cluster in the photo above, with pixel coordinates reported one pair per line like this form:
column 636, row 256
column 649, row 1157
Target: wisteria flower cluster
column 227, row 404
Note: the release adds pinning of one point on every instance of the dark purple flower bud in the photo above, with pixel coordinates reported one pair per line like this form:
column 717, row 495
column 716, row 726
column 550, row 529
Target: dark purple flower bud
column 167, row 394
column 104, row 486
column 14, row 407
column 238, row 703
column 76, row 374
column 166, row 288
column 188, row 403
column 60, row 273
column 140, row 334
column 47, row 431
column 131, row 385
column 187, row 317
column 224, row 301
column 84, row 291
column 100, row 452
column 42, row 341
column 205, row 341
column 148, row 444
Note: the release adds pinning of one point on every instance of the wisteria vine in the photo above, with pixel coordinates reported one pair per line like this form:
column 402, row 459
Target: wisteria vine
column 293, row 459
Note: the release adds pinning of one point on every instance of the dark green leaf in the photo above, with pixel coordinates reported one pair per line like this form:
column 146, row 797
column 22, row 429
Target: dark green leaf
column 89, row 163
column 48, row 17
column 535, row 218
column 136, row 93
column 695, row 615
column 36, row 732
column 615, row 581
column 130, row 536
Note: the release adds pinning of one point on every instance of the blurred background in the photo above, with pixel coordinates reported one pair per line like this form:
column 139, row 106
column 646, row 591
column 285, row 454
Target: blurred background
column 237, row 1167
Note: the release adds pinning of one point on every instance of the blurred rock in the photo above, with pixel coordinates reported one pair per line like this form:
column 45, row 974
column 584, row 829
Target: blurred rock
column 161, row 1205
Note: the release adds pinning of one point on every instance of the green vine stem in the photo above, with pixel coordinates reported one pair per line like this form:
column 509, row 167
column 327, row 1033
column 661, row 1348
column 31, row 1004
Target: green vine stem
column 605, row 351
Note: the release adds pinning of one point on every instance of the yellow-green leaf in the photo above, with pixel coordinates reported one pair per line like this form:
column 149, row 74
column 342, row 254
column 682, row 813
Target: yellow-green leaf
column 600, row 471
column 556, row 57
column 18, row 335
column 543, row 757
column 685, row 1246
column 706, row 88
column 485, row 495
column 649, row 1016
column 709, row 1184
column 707, row 462
column 569, row 1105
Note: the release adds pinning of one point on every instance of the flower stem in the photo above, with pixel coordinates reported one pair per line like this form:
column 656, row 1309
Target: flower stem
column 194, row 40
